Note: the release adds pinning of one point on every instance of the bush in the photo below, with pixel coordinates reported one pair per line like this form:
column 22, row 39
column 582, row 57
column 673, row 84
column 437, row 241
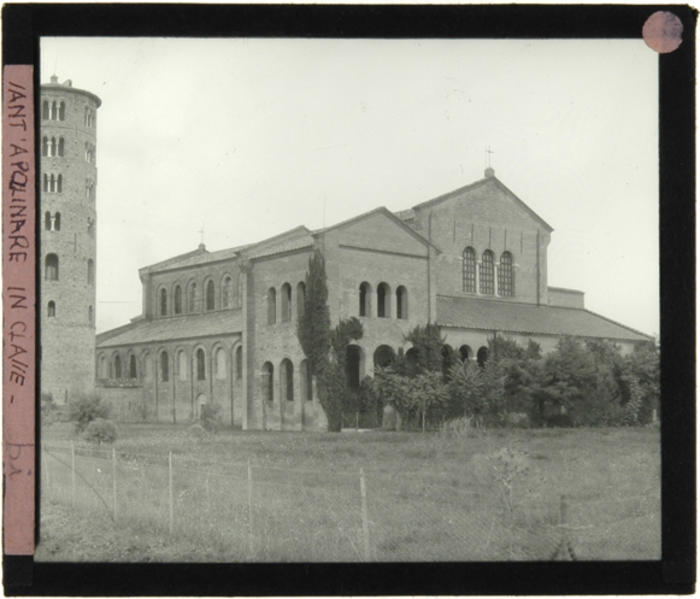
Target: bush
column 86, row 408
column 101, row 431
column 210, row 417
column 49, row 409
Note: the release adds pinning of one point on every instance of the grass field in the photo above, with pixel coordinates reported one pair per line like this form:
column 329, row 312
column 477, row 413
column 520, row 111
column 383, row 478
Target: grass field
column 488, row 495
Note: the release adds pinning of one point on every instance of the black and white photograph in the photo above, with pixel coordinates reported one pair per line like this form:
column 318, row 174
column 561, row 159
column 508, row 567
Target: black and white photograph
column 349, row 300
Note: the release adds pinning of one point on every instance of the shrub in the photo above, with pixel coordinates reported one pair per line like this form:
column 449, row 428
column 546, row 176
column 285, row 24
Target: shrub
column 49, row 409
column 86, row 408
column 210, row 417
column 100, row 431
column 457, row 427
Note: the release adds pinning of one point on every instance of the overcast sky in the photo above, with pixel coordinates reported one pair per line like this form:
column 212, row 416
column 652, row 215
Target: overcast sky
column 247, row 138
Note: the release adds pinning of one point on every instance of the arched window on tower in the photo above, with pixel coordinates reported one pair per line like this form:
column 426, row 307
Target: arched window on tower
column 301, row 299
column 505, row 275
column 91, row 272
column 45, row 112
column 201, row 365
column 48, row 221
column 57, row 221
column 59, row 184
column 365, row 299
column 401, row 302
column 469, row 270
column 163, row 304
column 271, row 306
column 51, row 309
column 211, row 295
column 62, row 112
column 286, row 302
column 54, row 111
column 177, row 300
column 51, row 267
column 45, row 146
column 486, row 273
column 61, row 146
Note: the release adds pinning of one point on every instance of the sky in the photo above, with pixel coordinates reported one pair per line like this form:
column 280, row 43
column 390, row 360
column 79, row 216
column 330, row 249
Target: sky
column 242, row 139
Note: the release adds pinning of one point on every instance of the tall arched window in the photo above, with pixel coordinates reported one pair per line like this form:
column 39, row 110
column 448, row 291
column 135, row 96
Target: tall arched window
column 61, row 146
column 48, row 221
column 211, row 295
column 469, row 270
column 59, row 184
column 163, row 306
column 401, row 302
column 57, row 221
column 307, row 391
column 132, row 367
column 117, row 367
column 365, row 299
column 286, row 302
column 62, row 112
column 287, row 380
column 164, row 367
column 51, row 309
column 226, row 291
column 239, row 363
column 54, row 111
column 177, row 300
column 182, row 365
column 45, row 146
column 301, row 299
column 505, row 276
column 268, row 372
column 91, row 272
column 192, row 297
column 51, row 267
column 383, row 303
column 45, row 113
column 201, row 365
column 220, row 361
column 486, row 273
column 271, row 306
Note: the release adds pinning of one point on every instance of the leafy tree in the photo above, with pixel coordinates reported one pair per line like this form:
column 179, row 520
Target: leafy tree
column 427, row 344
column 465, row 391
column 85, row 408
column 641, row 385
column 426, row 392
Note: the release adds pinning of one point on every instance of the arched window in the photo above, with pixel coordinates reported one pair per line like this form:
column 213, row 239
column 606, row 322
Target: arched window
column 466, row 353
column 271, row 306
column 163, row 306
column 45, row 113
column 384, row 356
column 482, row 356
column 505, row 275
column 301, row 299
column 239, row 363
column 51, row 267
column 286, row 302
column 287, row 380
column 91, row 314
column 45, row 146
column 51, row 309
column 132, row 367
column 226, row 291
column 220, row 361
column 365, row 299
column 192, row 297
column 307, row 390
column 402, row 303
column 211, row 295
column 54, row 111
column 164, row 367
column 91, row 272
column 177, row 300
column 486, row 273
column 383, row 303
column 268, row 372
column 48, row 221
column 102, row 372
column 201, row 365
column 61, row 146
column 59, row 184
column 117, row 367
column 62, row 112
column 469, row 270
column 57, row 221
column 182, row 365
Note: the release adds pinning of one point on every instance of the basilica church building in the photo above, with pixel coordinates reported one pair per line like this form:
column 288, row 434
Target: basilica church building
column 220, row 327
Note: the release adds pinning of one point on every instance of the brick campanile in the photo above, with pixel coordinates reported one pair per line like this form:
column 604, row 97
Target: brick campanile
column 68, row 222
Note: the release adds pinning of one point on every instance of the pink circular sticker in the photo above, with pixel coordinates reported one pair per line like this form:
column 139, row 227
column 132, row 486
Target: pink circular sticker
column 663, row 32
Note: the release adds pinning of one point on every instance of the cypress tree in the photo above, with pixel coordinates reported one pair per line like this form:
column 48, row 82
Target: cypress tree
column 314, row 326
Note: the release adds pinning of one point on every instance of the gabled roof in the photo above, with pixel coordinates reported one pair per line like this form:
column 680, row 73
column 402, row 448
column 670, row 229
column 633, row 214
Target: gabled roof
column 295, row 238
column 191, row 326
column 480, row 183
column 379, row 210
column 494, row 315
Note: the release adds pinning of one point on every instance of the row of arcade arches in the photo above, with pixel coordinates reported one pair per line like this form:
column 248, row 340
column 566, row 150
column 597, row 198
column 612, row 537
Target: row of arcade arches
column 388, row 304
column 181, row 299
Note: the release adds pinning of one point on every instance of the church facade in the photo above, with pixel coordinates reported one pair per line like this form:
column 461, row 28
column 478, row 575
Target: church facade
column 220, row 327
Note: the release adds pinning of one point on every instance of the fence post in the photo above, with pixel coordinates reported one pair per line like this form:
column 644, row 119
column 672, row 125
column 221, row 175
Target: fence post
column 250, row 510
column 72, row 469
column 564, row 550
column 365, row 519
column 114, row 481
column 170, row 492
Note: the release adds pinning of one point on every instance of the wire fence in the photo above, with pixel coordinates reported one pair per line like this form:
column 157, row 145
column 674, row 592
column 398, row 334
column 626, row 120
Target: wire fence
column 248, row 512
